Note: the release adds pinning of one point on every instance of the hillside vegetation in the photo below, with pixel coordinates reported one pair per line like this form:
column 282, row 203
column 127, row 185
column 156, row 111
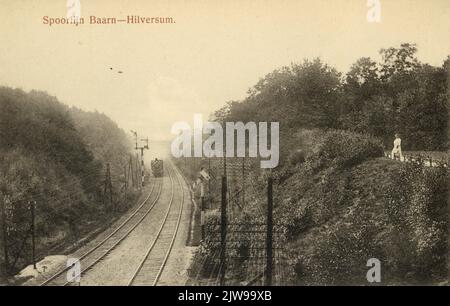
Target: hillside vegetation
column 336, row 217
column 337, row 201
column 399, row 94
column 56, row 156
column 335, row 209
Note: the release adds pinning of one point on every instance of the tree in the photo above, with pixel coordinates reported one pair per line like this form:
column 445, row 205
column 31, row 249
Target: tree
column 398, row 61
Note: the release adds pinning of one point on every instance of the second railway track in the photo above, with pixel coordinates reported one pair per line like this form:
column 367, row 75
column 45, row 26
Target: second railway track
column 100, row 250
column 155, row 259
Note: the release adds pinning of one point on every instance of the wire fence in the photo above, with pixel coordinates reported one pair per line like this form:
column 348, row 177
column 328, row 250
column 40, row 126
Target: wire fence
column 55, row 204
column 424, row 158
column 246, row 247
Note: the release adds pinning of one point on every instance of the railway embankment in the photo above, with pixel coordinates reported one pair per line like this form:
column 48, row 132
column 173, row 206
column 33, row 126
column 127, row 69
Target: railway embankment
column 336, row 206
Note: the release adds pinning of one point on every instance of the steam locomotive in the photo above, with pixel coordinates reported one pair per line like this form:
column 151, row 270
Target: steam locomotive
column 157, row 167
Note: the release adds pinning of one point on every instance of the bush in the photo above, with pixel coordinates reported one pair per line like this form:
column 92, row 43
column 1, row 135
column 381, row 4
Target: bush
column 339, row 256
column 206, row 258
column 297, row 157
column 417, row 207
column 54, row 155
column 342, row 149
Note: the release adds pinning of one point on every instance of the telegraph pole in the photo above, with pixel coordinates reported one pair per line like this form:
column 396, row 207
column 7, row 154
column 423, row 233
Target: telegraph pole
column 137, row 172
column 125, row 170
column 130, row 171
column 202, row 211
column 108, row 186
column 225, row 170
column 33, row 232
column 269, row 237
column 223, row 218
column 209, row 182
column 223, row 231
column 243, row 181
column 4, row 233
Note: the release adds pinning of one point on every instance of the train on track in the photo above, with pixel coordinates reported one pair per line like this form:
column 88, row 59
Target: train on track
column 155, row 257
column 157, row 167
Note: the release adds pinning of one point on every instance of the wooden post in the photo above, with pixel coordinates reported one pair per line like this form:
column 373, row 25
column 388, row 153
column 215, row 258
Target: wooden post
column 243, row 182
column 202, row 216
column 130, row 171
column 223, row 219
column 105, row 187
column 33, row 233
column 209, row 182
column 142, row 168
column 202, row 208
column 126, row 182
column 223, row 231
column 4, row 232
column 269, row 238
column 137, row 171
column 108, row 185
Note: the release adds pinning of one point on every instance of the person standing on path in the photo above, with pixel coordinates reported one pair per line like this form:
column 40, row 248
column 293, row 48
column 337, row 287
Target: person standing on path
column 397, row 150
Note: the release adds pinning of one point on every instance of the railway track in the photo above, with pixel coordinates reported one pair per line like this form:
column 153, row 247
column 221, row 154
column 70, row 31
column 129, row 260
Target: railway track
column 99, row 251
column 155, row 259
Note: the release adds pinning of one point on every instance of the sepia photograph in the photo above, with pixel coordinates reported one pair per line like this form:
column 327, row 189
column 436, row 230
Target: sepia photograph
column 241, row 144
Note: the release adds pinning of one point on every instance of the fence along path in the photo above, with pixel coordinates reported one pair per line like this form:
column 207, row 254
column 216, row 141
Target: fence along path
column 425, row 158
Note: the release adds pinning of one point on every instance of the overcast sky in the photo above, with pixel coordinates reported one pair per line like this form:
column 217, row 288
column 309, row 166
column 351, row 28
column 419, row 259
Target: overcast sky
column 214, row 52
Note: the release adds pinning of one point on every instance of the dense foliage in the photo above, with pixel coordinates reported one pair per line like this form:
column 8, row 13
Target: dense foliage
column 56, row 156
column 398, row 94
column 338, row 203
column 417, row 210
column 334, row 210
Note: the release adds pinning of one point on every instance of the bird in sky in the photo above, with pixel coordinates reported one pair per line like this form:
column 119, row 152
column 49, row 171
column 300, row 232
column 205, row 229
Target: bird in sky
column 120, row 71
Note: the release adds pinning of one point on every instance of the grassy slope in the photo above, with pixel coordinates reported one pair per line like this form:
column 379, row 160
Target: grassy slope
column 336, row 215
column 347, row 225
